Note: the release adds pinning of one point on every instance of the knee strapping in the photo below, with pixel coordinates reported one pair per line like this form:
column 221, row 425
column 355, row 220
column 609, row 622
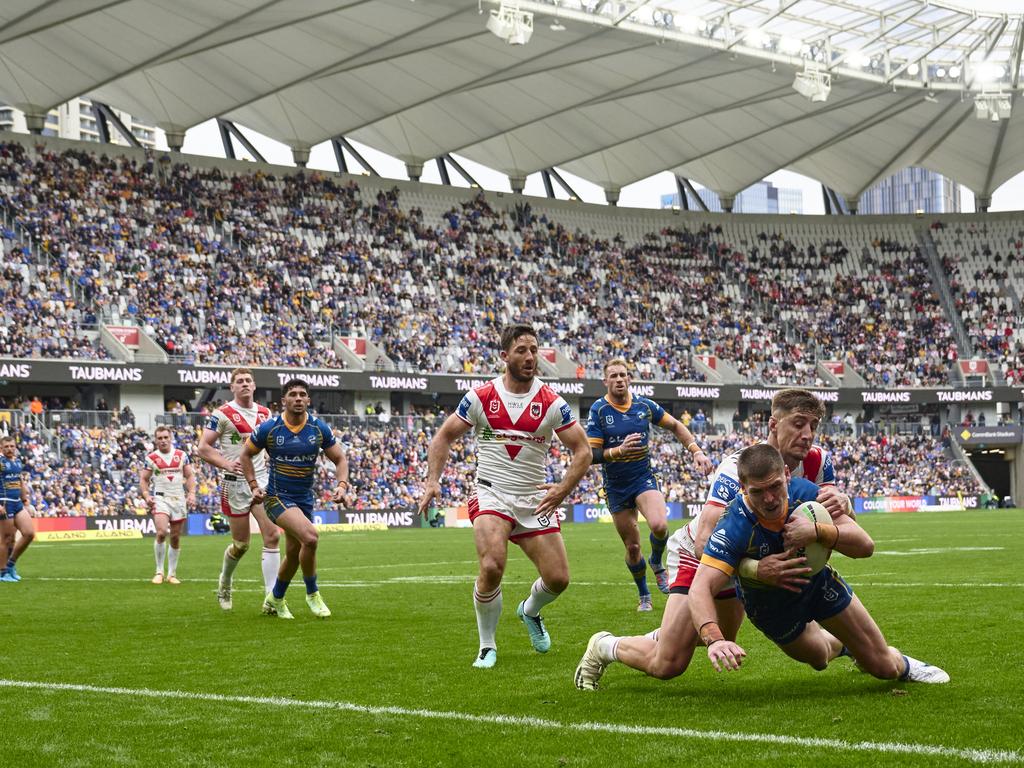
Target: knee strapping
column 240, row 547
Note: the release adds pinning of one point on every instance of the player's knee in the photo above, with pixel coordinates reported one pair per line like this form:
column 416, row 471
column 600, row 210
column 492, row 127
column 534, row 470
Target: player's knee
column 29, row 537
column 557, row 583
column 175, row 541
column 884, row 667
column 634, row 553
column 310, row 538
column 271, row 539
column 666, row 669
column 240, row 548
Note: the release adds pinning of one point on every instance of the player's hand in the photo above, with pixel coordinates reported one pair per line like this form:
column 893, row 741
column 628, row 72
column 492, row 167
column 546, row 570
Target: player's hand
column 725, row 654
column 631, row 447
column 338, row 494
column 798, row 532
column 151, row 505
column 835, row 501
column 236, row 467
column 258, row 495
column 431, row 492
column 190, row 501
column 552, row 499
column 703, row 463
column 784, row 570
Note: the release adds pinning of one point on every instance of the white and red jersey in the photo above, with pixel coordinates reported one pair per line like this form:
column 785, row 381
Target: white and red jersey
column 233, row 425
column 168, row 472
column 725, row 485
column 513, row 432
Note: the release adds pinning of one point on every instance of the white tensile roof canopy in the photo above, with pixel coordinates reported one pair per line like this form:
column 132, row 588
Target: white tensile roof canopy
column 611, row 91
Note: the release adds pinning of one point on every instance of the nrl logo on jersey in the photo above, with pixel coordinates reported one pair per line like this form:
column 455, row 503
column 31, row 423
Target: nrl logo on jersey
column 494, row 407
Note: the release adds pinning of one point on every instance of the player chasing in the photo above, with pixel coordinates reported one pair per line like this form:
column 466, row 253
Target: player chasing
column 221, row 446
column 514, row 416
column 818, row 623
column 15, row 512
column 174, row 491
column 666, row 652
column 619, row 433
column 293, row 441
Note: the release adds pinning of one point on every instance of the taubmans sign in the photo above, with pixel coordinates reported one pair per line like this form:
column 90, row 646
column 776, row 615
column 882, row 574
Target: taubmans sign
column 170, row 375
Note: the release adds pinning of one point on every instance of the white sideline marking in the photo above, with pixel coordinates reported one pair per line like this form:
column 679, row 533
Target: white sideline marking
column 405, row 564
column 970, row 755
column 469, row 578
column 937, row 550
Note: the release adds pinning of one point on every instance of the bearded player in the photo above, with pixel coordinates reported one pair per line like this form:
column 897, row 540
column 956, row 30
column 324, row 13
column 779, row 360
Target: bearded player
column 514, row 416
column 221, row 446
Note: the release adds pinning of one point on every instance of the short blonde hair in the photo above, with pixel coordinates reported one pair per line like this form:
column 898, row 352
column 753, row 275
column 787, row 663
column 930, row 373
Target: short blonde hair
column 787, row 401
column 616, row 361
column 241, row 372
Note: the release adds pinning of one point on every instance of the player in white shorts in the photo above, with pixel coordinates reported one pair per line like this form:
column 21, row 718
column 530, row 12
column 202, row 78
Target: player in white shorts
column 221, row 446
column 514, row 416
column 174, row 491
column 666, row 652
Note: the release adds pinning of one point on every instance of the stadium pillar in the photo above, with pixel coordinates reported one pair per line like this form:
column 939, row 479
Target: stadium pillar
column 612, row 195
column 982, row 203
column 300, row 155
column 414, row 171
column 35, row 117
column 851, row 204
column 727, row 202
column 518, row 184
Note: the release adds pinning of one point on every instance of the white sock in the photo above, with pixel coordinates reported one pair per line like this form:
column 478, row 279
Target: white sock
column 228, row 568
column 159, row 548
column 172, row 561
column 653, row 634
column 271, row 563
column 540, row 596
column 606, row 649
column 488, row 611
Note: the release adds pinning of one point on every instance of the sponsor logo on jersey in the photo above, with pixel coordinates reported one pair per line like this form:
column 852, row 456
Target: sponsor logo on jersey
column 566, row 412
column 720, row 538
column 494, row 406
column 535, row 410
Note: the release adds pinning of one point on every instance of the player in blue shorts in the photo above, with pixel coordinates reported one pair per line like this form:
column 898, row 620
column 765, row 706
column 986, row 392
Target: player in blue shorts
column 816, row 624
column 14, row 510
column 293, row 441
column 619, row 433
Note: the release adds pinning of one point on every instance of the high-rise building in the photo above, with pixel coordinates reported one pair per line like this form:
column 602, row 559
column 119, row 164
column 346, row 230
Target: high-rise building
column 762, row 197
column 75, row 119
column 909, row 191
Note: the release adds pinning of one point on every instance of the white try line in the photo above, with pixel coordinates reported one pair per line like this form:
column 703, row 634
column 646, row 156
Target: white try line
column 936, row 550
column 969, row 755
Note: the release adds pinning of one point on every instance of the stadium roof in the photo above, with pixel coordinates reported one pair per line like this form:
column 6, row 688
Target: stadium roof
column 611, row 91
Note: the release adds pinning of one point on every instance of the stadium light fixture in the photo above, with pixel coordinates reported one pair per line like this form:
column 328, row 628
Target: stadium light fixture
column 790, row 45
column 691, row 25
column 992, row 106
column 813, row 84
column 511, row 24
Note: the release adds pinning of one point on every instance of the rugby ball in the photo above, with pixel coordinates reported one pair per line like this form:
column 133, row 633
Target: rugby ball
column 817, row 555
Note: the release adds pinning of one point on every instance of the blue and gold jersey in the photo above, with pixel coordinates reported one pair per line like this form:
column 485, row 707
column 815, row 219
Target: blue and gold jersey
column 609, row 424
column 740, row 533
column 292, row 453
column 11, row 469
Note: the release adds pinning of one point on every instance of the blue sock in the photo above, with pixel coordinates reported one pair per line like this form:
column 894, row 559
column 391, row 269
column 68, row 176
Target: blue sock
column 639, row 572
column 280, row 587
column 310, row 584
column 10, row 563
column 906, row 670
column 844, row 651
column 657, row 550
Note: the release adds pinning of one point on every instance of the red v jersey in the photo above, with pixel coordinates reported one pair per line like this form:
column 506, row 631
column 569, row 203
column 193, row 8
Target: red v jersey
column 233, row 424
column 513, row 432
column 168, row 471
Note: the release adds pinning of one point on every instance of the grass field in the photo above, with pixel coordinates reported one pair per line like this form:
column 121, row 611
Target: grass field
column 101, row 668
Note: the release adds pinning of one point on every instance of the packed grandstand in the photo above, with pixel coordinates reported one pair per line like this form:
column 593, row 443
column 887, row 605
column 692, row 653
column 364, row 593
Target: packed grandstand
column 228, row 268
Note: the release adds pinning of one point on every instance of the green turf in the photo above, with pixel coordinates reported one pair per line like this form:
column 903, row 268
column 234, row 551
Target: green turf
column 403, row 635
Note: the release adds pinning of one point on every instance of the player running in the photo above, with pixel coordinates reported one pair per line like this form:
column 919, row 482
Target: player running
column 816, row 624
column 221, row 446
column 514, row 417
column 293, row 441
column 666, row 652
column 619, row 433
column 174, row 491
column 15, row 512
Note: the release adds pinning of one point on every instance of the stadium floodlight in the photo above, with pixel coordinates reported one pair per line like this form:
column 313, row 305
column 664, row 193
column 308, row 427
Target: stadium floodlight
column 756, row 37
column 857, row 59
column 992, row 106
column 813, row 84
column 790, row 45
column 987, row 72
column 691, row 25
column 511, row 24
column 913, row 69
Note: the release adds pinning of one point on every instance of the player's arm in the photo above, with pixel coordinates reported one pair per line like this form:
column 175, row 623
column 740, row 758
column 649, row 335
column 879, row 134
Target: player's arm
column 249, row 469
column 24, row 488
column 336, row 455
column 453, row 428
column 685, row 436
column 708, row 582
column 709, row 516
column 190, row 485
column 144, row 476
column 841, row 535
column 575, row 439
column 836, row 502
column 624, row 451
column 210, row 453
